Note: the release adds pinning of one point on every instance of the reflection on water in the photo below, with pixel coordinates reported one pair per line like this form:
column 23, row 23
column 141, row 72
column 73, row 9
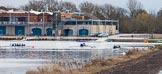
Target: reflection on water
column 45, row 54
column 18, row 62
column 9, row 67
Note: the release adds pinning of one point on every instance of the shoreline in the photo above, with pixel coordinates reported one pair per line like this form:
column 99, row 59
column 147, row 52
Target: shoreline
column 103, row 66
column 147, row 64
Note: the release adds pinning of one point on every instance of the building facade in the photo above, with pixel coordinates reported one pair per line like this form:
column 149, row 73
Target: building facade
column 21, row 23
column 87, row 27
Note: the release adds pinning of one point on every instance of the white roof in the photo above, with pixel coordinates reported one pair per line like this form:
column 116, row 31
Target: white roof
column 49, row 13
column 22, row 11
column 17, row 11
column 1, row 11
column 35, row 12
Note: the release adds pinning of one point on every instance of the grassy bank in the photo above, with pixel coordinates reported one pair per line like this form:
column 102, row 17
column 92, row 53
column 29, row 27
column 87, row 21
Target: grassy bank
column 97, row 65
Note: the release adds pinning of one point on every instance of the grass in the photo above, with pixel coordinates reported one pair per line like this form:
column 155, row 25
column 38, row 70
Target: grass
column 97, row 65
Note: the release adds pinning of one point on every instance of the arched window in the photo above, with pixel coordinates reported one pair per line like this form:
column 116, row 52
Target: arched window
column 49, row 31
column 36, row 32
column 83, row 32
column 2, row 30
column 19, row 30
column 68, row 32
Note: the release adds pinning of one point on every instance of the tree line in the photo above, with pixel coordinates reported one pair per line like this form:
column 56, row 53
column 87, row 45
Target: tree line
column 133, row 19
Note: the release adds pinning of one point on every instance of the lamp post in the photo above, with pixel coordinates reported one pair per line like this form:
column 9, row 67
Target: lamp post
column 105, row 26
column 118, row 27
column 56, row 21
column 10, row 20
column 111, row 29
column 28, row 22
column 92, row 26
column 43, row 24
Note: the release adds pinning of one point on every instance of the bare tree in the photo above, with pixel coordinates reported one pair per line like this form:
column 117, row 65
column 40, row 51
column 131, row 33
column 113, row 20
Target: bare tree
column 7, row 8
column 34, row 5
column 109, row 11
column 87, row 7
column 133, row 6
column 68, row 6
column 45, row 5
column 93, row 9
column 51, row 5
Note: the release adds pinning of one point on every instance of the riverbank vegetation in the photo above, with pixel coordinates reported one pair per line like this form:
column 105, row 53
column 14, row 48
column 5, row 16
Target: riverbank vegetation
column 96, row 65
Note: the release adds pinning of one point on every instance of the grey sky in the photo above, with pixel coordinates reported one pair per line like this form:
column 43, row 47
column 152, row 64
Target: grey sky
column 149, row 5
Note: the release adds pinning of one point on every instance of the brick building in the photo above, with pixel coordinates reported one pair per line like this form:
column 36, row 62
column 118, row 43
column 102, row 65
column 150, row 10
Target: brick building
column 20, row 23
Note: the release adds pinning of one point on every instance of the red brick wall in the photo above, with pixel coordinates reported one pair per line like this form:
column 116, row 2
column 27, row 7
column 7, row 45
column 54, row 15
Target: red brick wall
column 33, row 17
column 37, row 18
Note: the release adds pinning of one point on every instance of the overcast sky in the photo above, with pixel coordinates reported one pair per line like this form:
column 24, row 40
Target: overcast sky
column 149, row 5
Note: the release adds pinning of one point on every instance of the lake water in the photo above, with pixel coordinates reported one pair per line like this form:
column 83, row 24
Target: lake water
column 18, row 61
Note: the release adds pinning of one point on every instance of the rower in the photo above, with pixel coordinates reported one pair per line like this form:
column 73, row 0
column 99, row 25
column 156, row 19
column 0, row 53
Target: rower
column 82, row 45
column 116, row 46
column 13, row 45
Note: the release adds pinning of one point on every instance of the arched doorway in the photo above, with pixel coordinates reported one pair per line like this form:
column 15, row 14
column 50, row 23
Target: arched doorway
column 36, row 32
column 19, row 30
column 68, row 32
column 49, row 31
column 83, row 32
column 2, row 30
